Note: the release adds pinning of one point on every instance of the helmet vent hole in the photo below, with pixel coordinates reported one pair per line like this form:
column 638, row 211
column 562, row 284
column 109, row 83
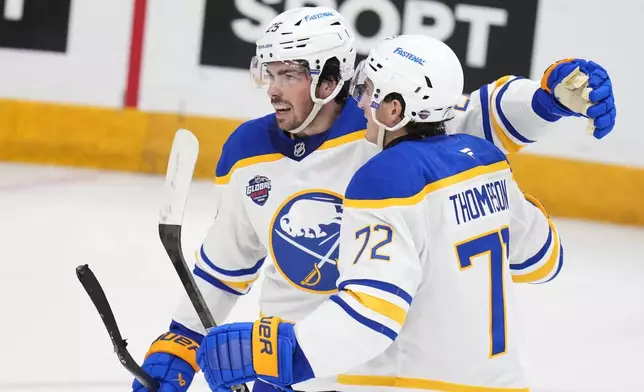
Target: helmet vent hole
column 429, row 82
column 298, row 23
column 379, row 66
column 426, row 97
column 417, row 90
column 374, row 68
column 334, row 24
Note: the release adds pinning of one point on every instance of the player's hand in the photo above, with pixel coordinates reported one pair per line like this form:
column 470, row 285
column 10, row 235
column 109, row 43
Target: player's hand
column 171, row 361
column 236, row 353
column 581, row 88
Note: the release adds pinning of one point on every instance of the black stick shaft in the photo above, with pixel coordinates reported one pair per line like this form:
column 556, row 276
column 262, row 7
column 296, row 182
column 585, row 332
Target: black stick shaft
column 97, row 295
column 171, row 238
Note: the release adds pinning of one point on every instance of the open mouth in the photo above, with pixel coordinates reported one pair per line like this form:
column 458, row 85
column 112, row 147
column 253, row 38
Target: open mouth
column 282, row 111
column 281, row 108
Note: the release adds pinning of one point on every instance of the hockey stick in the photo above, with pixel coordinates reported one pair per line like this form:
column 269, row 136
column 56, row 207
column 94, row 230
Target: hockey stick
column 181, row 166
column 97, row 295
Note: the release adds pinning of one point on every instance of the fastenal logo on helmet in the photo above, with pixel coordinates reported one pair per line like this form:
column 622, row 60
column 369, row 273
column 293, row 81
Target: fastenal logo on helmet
column 318, row 16
column 399, row 51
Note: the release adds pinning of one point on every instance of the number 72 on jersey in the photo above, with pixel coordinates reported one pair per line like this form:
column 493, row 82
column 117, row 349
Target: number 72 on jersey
column 494, row 244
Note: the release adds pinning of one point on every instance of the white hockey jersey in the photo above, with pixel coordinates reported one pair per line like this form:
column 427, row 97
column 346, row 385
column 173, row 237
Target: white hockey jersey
column 425, row 289
column 280, row 202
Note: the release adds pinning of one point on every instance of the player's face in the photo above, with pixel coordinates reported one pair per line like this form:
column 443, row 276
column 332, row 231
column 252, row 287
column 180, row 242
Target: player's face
column 289, row 89
column 365, row 102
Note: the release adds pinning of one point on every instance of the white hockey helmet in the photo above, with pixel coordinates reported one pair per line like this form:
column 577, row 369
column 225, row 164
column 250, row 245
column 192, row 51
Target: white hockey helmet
column 311, row 34
column 423, row 70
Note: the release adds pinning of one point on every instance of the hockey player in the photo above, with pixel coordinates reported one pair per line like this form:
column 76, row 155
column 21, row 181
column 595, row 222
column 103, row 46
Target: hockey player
column 281, row 178
column 434, row 231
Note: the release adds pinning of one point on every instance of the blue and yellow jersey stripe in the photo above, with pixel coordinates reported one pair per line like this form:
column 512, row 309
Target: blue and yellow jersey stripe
column 548, row 260
column 257, row 141
column 362, row 319
column 429, row 188
column 245, row 162
column 236, row 281
column 418, row 383
column 494, row 120
column 546, row 264
column 421, row 167
column 377, row 305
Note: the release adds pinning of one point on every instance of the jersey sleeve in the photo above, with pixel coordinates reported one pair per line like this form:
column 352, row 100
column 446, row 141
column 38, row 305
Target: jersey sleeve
column 379, row 274
column 536, row 252
column 502, row 113
column 228, row 261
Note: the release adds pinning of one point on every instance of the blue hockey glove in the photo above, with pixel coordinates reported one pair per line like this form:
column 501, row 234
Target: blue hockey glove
column 576, row 87
column 240, row 352
column 171, row 360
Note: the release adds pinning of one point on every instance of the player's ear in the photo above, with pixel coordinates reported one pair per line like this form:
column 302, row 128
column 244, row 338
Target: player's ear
column 396, row 109
column 326, row 88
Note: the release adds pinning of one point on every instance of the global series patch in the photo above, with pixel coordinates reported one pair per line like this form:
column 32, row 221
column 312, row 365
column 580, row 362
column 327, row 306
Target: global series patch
column 258, row 189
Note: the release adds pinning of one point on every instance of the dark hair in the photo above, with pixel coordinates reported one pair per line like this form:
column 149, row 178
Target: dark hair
column 331, row 73
column 418, row 128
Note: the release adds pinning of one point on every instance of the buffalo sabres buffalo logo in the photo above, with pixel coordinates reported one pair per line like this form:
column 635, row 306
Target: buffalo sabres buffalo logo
column 305, row 237
column 258, row 189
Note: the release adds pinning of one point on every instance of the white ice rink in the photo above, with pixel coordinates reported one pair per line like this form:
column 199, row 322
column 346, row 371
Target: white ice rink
column 584, row 331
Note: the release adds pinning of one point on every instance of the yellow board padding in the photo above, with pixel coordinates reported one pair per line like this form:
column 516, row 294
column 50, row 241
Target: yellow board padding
column 70, row 135
column 104, row 138
column 579, row 189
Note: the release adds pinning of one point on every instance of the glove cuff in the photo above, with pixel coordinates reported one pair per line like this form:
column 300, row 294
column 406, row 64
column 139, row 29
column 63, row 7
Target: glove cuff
column 545, row 105
column 274, row 344
column 546, row 75
column 265, row 346
column 177, row 345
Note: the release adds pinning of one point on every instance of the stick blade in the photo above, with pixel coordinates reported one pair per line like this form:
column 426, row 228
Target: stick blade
column 181, row 167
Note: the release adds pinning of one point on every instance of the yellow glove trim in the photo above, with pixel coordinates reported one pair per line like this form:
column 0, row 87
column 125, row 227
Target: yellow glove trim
column 546, row 75
column 265, row 346
column 177, row 345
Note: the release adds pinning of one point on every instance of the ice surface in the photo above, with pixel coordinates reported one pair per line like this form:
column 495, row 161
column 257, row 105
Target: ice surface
column 584, row 331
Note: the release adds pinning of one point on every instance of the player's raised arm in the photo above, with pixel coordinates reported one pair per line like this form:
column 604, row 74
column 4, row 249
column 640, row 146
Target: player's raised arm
column 513, row 112
column 227, row 263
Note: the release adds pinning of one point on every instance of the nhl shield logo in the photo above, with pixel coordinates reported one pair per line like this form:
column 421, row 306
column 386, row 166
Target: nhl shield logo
column 299, row 149
column 258, row 189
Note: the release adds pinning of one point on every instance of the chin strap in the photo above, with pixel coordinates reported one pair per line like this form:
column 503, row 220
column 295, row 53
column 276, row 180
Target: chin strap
column 382, row 128
column 381, row 137
column 318, row 103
